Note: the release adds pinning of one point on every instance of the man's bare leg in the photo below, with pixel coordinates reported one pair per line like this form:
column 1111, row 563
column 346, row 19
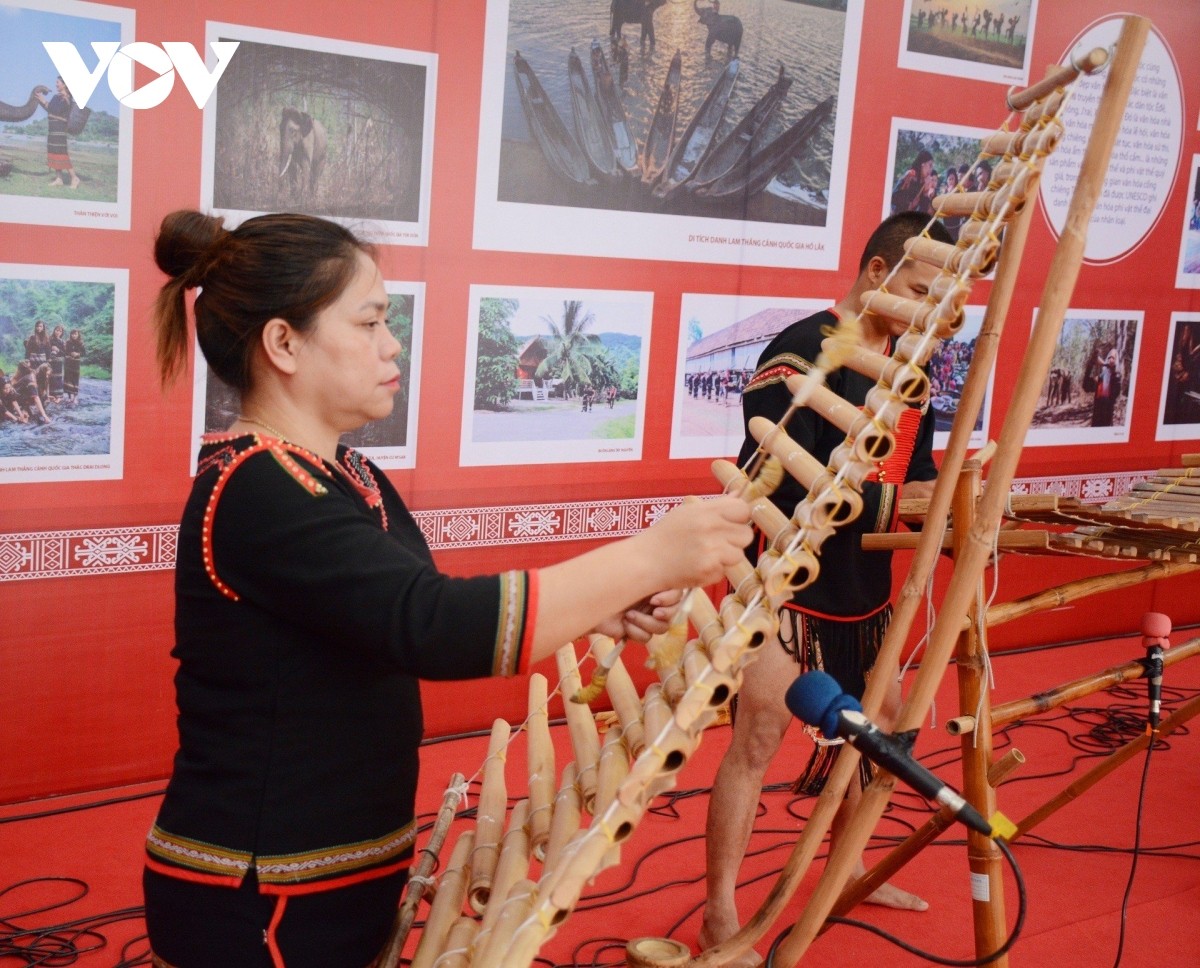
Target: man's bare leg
column 886, row 894
column 761, row 722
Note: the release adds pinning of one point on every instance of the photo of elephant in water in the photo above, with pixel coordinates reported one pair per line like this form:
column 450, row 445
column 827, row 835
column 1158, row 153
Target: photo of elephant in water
column 302, row 145
column 322, row 132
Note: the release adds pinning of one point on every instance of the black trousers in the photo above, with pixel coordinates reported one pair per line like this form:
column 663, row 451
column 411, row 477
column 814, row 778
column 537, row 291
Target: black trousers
column 204, row 926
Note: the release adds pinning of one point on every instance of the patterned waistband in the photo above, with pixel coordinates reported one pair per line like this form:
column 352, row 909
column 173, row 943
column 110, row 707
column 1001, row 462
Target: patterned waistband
column 215, row 863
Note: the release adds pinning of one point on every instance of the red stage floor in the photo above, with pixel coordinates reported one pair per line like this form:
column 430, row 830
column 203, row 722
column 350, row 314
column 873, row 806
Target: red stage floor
column 1076, row 865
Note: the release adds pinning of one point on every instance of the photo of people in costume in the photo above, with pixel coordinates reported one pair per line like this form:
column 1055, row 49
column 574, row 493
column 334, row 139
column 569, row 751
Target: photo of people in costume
column 989, row 41
column 1088, row 394
column 62, row 373
column 339, row 130
column 947, row 377
column 720, row 340
column 926, row 160
column 637, row 111
column 65, row 155
column 555, row 375
column 1179, row 408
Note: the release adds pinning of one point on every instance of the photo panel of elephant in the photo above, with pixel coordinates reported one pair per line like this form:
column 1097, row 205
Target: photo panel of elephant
column 63, row 332
column 325, row 127
column 1089, row 392
column 668, row 129
column 66, row 158
column 391, row 442
column 555, row 376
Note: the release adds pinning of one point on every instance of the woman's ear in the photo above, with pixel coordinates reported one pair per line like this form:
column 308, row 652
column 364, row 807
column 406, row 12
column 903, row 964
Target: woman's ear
column 281, row 344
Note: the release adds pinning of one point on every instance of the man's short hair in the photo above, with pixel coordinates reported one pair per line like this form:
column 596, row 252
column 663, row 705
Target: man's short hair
column 887, row 241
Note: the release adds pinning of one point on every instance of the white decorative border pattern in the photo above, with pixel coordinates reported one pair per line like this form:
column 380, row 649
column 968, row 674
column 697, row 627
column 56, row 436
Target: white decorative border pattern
column 113, row 551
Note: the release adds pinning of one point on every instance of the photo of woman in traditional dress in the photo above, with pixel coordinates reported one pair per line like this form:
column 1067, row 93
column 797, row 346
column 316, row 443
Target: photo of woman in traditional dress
column 58, row 158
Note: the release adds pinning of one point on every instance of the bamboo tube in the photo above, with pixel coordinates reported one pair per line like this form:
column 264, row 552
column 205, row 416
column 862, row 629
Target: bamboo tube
column 832, row 504
column 1091, row 62
column 1081, row 588
column 1005, row 540
column 564, row 821
column 490, row 949
column 909, row 382
column 1061, row 277
column 915, row 348
column 749, row 633
column 704, row 618
column 672, row 683
column 971, row 204
column 420, row 874
column 849, row 467
column 614, row 767
column 447, row 902
column 623, row 693
column 743, row 580
column 766, row 516
column 489, row 816
column 944, row 316
column 655, row 711
column 886, row 406
column 871, row 442
column 513, row 865
column 585, row 741
column 656, row 953
column 1009, row 712
column 541, row 770
column 976, row 261
column 1002, row 143
column 458, row 944
column 1107, row 766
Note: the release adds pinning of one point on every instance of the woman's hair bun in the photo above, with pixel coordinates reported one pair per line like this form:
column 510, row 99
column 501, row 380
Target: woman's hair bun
column 184, row 239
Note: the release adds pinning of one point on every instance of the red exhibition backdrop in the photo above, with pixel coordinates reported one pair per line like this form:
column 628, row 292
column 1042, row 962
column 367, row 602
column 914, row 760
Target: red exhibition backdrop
column 85, row 674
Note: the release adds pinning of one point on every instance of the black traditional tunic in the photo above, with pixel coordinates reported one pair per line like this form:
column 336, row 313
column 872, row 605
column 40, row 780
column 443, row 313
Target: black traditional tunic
column 307, row 608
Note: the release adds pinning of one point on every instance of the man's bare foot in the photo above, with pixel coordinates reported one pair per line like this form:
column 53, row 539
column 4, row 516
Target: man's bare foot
column 57, row 182
column 894, row 897
column 75, row 182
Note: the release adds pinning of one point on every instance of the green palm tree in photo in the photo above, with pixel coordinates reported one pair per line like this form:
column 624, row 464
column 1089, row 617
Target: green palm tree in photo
column 573, row 352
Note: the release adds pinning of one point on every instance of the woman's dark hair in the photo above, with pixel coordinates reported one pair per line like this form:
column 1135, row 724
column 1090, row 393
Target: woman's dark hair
column 281, row 266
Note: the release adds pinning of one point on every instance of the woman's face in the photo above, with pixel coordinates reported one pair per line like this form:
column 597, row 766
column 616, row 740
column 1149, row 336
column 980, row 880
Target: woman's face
column 75, row 334
column 39, row 327
column 347, row 368
column 58, row 332
column 60, row 86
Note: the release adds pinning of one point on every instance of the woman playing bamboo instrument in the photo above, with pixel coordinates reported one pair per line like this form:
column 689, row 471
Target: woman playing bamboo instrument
column 308, row 606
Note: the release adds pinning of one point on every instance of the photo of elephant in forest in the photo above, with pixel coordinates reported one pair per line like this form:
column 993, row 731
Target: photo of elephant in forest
column 321, row 133
column 302, row 146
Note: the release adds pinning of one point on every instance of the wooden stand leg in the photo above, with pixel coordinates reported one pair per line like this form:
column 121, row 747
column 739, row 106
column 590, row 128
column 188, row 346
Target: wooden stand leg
column 983, row 856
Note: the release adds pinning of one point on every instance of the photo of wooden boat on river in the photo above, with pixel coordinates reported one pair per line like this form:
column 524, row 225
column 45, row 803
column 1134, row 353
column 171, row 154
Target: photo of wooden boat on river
column 739, row 130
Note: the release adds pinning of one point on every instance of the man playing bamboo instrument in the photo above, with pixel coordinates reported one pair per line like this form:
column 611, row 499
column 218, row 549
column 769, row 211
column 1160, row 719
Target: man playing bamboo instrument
column 838, row 622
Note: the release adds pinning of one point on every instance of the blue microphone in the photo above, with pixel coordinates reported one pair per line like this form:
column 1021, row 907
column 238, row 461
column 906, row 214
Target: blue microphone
column 817, row 700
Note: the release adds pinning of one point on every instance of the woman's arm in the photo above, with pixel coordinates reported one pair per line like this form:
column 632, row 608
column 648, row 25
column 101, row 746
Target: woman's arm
column 689, row 546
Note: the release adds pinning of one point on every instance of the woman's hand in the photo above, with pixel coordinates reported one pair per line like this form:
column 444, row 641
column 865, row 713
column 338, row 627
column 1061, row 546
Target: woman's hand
column 695, row 542
column 651, row 616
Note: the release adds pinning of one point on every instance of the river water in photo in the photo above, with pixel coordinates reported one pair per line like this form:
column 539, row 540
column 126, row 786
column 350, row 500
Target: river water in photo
column 806, row 40
column 76, row 429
